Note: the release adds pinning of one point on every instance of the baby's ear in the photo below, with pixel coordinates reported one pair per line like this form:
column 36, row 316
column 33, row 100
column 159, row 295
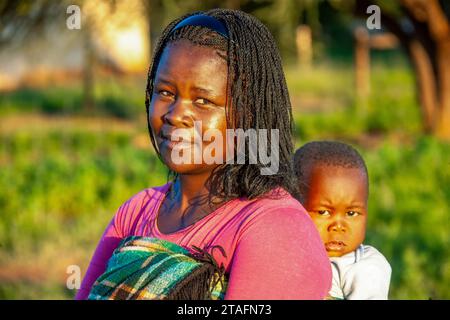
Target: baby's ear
column 303, row 190
column 301, row 198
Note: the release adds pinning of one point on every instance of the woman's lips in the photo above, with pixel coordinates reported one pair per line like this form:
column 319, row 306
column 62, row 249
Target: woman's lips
column 181, row 144
column 178, row 134
column 335, row 245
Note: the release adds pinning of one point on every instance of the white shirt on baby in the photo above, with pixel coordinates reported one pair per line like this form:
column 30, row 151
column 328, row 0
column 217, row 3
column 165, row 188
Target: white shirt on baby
column 363, row 274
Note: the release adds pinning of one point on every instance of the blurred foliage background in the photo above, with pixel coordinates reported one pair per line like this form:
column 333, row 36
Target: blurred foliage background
column 74, row 143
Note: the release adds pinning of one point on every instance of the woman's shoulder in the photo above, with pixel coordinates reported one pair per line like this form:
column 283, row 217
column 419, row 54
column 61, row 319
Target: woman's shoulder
column 146, row 195
column 278, row 208
column 281, row 222
column 138, row 207
column 278, row 200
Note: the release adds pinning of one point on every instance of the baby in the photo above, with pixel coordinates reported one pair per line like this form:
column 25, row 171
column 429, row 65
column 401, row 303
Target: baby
column 334, row 187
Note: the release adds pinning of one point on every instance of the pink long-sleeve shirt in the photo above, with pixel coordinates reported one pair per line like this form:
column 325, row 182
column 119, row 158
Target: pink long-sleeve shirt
column 273, row 250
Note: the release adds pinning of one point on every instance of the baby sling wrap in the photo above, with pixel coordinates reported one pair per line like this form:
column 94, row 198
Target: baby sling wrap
column 145, row 268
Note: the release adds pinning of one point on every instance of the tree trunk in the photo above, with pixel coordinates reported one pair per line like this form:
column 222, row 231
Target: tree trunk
column 303, row 41
column 440, row 31
column 428, row 48
column 362, row 69
column 443, row 122
column 430, row 14
column 426, row 84
column 148, row 14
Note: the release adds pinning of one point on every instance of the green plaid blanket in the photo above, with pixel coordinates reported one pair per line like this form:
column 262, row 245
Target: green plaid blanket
column 149, row 268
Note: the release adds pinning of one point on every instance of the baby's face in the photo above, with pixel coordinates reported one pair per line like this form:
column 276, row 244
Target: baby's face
column 337, row 203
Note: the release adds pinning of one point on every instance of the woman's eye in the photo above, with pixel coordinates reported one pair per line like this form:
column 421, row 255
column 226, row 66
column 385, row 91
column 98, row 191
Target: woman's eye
column 165, row 93
column 323, row 212
column 203, row 102
column 352, row 213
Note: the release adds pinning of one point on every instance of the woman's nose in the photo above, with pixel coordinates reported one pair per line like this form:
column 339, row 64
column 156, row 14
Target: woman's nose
column 178, row 114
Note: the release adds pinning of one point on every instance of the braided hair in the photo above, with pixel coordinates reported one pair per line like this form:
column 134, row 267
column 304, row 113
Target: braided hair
column 256, row 90
column 326, row 153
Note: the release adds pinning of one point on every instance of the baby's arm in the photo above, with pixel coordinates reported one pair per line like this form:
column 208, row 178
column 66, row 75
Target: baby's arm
column 280, row 256
column 368, row 280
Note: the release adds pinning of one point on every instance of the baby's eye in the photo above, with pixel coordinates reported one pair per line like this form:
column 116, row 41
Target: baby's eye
column 353, row 213
column 323, row 213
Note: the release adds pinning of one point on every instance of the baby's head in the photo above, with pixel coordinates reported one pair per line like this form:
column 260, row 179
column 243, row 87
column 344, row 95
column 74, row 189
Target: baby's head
column 333, row 187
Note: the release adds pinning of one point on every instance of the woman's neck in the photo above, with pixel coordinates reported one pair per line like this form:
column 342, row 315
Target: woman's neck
column 185, row 203
column 188, row 189
column 189, row 194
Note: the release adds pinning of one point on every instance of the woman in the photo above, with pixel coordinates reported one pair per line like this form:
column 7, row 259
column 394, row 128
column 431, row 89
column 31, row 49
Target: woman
column 214, row 72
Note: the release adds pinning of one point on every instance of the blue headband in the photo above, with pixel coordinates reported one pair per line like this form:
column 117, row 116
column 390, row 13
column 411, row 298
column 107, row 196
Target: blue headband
column 203, row 20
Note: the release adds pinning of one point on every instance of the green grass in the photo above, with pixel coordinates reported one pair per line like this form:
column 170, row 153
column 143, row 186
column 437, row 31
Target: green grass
column 408, row 215
column 61, row 184
column 59, row 191
column 122, row 99
column 58, row 178
column 324, row 102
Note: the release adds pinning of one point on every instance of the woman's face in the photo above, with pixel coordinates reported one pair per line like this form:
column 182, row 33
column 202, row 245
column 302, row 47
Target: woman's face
column 188, row 99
